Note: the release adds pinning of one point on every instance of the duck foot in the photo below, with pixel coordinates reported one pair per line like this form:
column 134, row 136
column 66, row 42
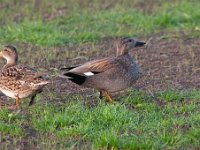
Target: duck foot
column 105, row 93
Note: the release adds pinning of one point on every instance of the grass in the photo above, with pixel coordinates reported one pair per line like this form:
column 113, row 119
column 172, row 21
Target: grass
column 149, row 125
column 51, row 33
column 84, row 26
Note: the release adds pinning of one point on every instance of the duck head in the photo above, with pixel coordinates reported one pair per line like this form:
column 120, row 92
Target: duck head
column 126, row 44
column 10, row 54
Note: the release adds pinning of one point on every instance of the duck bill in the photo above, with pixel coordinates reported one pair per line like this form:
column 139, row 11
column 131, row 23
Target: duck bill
column 1, row 54
column 139, row 44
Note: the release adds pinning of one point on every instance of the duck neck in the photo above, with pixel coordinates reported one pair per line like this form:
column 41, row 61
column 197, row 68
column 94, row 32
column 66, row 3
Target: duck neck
column 121, row 51
column 10, row 63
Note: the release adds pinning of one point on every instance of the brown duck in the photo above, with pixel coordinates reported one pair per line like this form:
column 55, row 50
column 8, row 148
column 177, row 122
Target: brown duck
column 19, row 81
column 108, row 75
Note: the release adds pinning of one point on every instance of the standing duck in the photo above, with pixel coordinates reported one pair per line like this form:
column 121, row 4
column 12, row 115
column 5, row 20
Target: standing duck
column 108, row 75
column 19, row 81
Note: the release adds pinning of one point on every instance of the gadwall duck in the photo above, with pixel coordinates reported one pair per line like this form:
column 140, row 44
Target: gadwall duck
column 19, row 81
column 108, row 75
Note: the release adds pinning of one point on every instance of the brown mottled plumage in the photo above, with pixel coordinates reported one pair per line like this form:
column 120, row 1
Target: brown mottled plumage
column 19, row 81
column 110, row 74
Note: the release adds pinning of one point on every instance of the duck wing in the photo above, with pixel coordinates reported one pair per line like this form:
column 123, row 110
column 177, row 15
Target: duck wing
column 79, row 74
column 95, row 67
column 19, row 76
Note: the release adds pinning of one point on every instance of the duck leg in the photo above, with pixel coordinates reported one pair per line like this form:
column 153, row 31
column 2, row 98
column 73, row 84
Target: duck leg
column 17, row 101
column 32, row 100
column 101, row 94
column 107, row 96
column 33, row 97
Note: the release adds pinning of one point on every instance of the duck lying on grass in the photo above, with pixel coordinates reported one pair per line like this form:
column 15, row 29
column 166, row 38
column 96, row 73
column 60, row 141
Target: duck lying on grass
column 108, row 75
column 19, row 81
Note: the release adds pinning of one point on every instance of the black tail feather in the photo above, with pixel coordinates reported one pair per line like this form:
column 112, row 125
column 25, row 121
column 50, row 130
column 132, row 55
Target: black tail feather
column 78, row 79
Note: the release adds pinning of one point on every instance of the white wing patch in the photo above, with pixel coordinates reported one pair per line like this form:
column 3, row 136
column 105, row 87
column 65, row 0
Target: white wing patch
column 88, row 73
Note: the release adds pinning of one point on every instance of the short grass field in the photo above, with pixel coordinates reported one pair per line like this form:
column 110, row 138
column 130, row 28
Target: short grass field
column 160, row 111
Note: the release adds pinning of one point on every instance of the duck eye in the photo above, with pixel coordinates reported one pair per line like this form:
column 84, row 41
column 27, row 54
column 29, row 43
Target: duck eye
column 130, row 40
